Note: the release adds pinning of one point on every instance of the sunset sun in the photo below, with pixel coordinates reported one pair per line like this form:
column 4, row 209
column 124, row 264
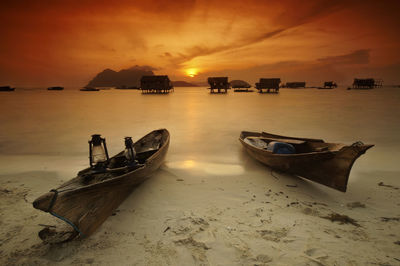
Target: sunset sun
column 191, row 72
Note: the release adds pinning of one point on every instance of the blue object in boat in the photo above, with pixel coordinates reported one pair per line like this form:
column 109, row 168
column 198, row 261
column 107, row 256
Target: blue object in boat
column 281, row 148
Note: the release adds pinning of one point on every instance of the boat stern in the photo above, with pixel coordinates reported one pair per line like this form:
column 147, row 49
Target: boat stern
column 337, row 171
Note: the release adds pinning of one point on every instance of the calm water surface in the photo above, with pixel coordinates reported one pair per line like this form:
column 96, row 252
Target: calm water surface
column 42, row 129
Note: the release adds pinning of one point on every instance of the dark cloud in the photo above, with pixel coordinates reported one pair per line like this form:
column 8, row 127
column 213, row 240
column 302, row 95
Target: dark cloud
column 166, row 55
column 203, row 50
column 357, row 57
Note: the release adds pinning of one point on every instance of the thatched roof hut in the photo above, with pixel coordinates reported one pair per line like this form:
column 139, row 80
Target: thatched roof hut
column 364, row 83
column 155, row 83
column 158, row 83
column 219, row 82
column 268, row 83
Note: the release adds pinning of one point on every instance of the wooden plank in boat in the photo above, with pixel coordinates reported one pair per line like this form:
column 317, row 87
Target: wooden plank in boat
column 290, row 141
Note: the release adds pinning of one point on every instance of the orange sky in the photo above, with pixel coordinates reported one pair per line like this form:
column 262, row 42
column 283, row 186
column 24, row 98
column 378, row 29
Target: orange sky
column 67, row 43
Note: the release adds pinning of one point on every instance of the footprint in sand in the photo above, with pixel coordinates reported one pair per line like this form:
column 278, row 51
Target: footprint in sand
column 197, row 249
column 274, row 235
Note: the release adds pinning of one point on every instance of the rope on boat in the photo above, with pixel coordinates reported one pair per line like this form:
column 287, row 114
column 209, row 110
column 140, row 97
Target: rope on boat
column 53, row 200
column 68, row 222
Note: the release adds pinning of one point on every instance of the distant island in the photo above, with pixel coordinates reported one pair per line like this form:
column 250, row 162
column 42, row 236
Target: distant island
column 181, row 83
column 126, row 77
column 201, row 83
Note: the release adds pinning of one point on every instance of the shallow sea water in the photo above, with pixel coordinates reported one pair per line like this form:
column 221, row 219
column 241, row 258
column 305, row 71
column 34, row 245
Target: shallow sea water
column 49, row 130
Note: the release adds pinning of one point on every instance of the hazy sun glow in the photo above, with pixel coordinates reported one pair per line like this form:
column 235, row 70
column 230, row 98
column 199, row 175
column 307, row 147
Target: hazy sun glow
column 191, row 72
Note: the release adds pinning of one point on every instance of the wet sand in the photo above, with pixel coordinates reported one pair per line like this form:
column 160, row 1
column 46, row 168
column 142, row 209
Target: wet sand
column 210, row 204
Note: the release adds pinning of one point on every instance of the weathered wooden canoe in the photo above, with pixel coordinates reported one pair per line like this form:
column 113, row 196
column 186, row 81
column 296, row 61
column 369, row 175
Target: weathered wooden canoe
column 87, row 200
column 325, row 163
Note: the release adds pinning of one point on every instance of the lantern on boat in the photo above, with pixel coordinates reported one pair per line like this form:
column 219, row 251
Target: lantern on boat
column 129, row 152
column 97, row 150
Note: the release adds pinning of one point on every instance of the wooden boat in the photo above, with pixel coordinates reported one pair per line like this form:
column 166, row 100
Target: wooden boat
column 6, row 88
column 87, row 200
column 243, row 90
column 325, row 163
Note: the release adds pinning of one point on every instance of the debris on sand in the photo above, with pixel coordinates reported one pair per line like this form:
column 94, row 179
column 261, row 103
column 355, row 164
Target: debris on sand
column 342, row 219
column 313, row 259
column 292, row 203
column 381, row 184
column 355, row 204
column 388, row 219
column 52, row 236
column 46, row 225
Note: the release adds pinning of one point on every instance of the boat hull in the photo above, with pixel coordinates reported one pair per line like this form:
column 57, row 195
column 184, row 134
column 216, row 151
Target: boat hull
column 330, row 167
column 86, row 207
column 6, row 88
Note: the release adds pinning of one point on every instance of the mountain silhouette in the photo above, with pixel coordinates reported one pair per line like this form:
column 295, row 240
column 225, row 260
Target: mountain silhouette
column 126, row 77
column 181, row 83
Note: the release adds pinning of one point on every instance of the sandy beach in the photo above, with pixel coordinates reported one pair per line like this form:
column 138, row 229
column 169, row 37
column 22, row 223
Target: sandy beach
column 210, row 203
column 177, row 218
